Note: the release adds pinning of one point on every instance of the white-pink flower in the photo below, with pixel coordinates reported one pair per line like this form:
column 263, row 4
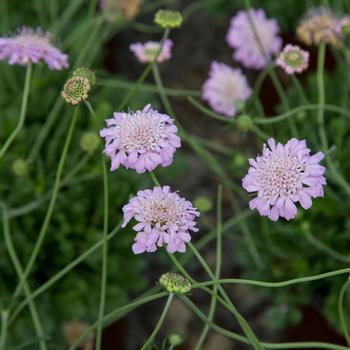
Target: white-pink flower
column 140, row 140
column 293, row 59
column 224, row 88
column 242, row 38
column 147, row 52
column 164, row 218
column 282, row 176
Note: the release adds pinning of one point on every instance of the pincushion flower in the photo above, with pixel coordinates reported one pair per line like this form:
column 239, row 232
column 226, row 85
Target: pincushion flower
column 32, row 46
column 320, row 25
column 140, row 140
column 293, row 59
column 242, row 38
column 164, row 218
column 282, row 176
column 147, row 52
column 224, row 88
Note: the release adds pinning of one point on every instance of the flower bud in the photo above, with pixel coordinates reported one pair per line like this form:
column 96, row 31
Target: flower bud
column 175, row 283
column 75, row 90
column 85, row 73
column 203, row 204
column 20, row 167
column 244, row 122
column 89, row 141
column 168, row 19
column 175, row 339
column 239, row 160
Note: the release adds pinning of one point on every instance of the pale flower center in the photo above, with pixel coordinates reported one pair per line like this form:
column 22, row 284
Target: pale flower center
column 280, row 175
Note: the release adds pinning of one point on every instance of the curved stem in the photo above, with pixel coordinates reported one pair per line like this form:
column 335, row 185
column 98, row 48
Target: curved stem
column 52, row 203
column 159, row 323
column 22, row 116
column 341, row 311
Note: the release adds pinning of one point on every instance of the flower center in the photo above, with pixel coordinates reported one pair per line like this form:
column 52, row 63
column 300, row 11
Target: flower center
column 280, row 175
column 151, row 52
column 140, row 133
column 293, row 59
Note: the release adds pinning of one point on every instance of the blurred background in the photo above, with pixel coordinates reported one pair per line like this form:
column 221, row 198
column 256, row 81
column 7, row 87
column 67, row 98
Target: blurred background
column 315, row 242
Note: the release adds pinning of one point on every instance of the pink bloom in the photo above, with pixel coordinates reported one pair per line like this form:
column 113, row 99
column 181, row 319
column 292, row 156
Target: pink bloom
column 146, row 52
column 164, row 218
column 240, row 36
column 140, row 140
column 224, row 88
column 32, row 46
column 293, row 59
column 282, row 176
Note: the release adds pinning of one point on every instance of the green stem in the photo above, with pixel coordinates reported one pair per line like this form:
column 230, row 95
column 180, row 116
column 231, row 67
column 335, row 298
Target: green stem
column 60, row 274
column 159, row 323
column 154, row 178
column 114, row 314
column 212, row 307
column 105, row 239
column 341, row 311
column 4, row 319
column 22, row 116
column 22, row 278
column 52, row 203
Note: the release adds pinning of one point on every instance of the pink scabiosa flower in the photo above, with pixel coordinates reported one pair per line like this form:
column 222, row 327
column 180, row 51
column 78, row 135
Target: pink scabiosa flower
column 224, row 88
column 293, row 59
column 241, row 37
column 140, row 140
column 147, row 52
column 31, row 46
column 164, row 218
column 282, row 176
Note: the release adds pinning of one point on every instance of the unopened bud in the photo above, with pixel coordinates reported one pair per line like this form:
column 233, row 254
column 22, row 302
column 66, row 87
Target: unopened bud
column 75, row 90
column 20, row 167
column 85, row 73
column 168, row 19
column 244, row 122
column 175, row 283
column 89, row 141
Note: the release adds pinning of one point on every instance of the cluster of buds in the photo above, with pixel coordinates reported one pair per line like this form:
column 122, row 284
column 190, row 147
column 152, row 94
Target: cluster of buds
column 76, row 89
column 168, row 19
column 175, row 283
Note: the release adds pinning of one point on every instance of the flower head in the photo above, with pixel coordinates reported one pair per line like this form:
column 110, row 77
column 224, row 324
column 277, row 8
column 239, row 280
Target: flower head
column 282, row 176
column 75, row 90
column 31, row 46
column 168, row 19
column 320, row 25
column 140, row 140
column 164, row 218
column 173, row 282
column 293, row 59
column 148, row 51
column 253, row 49
column 126, row 9
column 224, row 88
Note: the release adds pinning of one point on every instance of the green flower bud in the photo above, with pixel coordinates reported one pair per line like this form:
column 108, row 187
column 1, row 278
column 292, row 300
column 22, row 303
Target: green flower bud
column 305, row 227
column 75, row 90
column 85, row 73
column 175, row 283
column 239, row 160
column 175, row 339
column 20, row 167
column 89, row 141
column 203, row 204
column 244, row 122
column 168, row 19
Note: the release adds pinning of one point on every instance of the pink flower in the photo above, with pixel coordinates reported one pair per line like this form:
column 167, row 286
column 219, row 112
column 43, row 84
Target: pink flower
column 140, row 140
column 240, row 36
column 293, row 59
column 224, row 88
column 146, row 52
column 32, row 46
column 282, row 176
column 164, row 218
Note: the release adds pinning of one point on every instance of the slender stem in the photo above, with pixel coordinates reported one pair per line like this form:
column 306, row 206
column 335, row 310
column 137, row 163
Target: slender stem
column 23, row 112
column 154, row 178
column 159, row 323
column 145, row 73
column 114, row 314
column 341, row 311
column 212, row 307
column 4, row 319
column 52, row 203
column 16, row 263
column 60, row 274
column 105, row 240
